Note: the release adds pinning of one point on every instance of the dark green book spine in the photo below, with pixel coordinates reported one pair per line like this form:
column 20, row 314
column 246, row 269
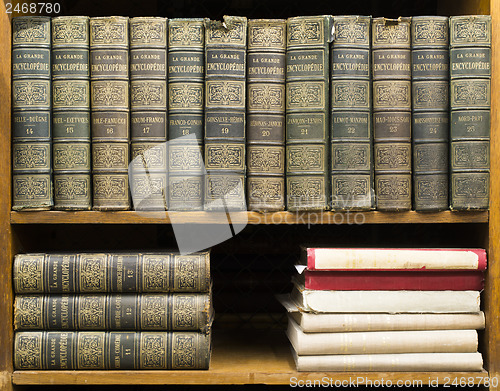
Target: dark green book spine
column 186, row 75
column 174, row 311
column 225, row 82
column 116, row 272
column 307, row 122
column 470, row 71
column 71, row 113
column 392, row 113
column 430, row 109
column 351, row 134
column 266, row 114
column 148, row 113
column 109, row 75
column 86, row 350
column 31, row 119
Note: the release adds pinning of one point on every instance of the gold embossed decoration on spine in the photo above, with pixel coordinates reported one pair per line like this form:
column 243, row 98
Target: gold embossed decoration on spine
column 266, row 114
column 71, row 113
column 31, row 119
column 225, row 73
column 307, row 112
column 148, row 106
column 430, row 112
column 109, row 59
column 186, row 75
column 351, row 133
column 391, row 73
column 470, row 70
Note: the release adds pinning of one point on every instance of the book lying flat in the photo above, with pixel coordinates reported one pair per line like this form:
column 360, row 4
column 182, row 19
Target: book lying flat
column 386, row 301
column 412, row 362
column 391, row 280
column 381, row 342
column 317, row 323
column 387, row 258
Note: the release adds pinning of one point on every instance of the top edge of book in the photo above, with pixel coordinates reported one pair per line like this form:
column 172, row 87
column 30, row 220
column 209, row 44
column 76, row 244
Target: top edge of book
column 393, row 258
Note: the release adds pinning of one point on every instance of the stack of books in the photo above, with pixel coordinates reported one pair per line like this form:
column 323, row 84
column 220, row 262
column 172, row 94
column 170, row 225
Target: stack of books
column 112, row 311
column 387, row 309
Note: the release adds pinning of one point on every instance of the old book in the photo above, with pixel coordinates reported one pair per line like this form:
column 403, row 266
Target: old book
column 386, row 301
column 392, row 280
column 31, row 117
column 430, row 92
column 115, row 272
column 225, row 86
column 110, row 112
column 381, row 342
column 393, row 258
column 266, row 114
column 186, row 76
column 392, row 112
column 406, row 362
column 307, row 122
column 351, row 133
column 470, row 72
column 148, row 113
column 111, row 350
column 160, row 311
column 71, row 113
column 311, row 322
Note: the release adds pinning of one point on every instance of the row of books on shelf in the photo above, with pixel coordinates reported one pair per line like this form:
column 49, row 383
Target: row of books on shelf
column 112, row 311
column 309, row 113
column 387, row 310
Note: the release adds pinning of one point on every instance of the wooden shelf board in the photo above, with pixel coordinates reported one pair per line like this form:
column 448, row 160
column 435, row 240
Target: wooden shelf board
column 349, row 218
column 236, row 359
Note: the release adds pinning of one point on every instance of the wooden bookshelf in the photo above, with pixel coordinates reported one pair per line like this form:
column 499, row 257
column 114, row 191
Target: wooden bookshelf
column 243, row 359
column 247, row 358
column 277, row 218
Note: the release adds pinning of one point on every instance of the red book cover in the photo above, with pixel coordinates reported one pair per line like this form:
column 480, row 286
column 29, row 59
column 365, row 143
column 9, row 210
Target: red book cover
column 393, row 259
column 443, row 280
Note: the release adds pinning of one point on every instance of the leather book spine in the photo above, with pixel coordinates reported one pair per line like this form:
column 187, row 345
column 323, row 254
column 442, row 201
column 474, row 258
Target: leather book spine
column 89, row 350
column 71, row 113
column 470, row 73
column 148, row 113
column 110, row 112
column 31, row 116
column 186, row 76
column 392, row 113
column 307, row 122
column 351, row 132
column 225, row 83
column 132, row 311
column 266, row 114
column 115, row 272
column 430, row 93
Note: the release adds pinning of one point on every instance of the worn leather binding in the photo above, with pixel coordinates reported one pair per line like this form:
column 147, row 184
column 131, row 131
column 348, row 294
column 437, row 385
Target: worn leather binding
column 130, row 311
column 111, row 350
column 31, row 119
column 392, row 112
column 307, row 122
column 351, row 133
column 430, row 93
column 110, row 111
column 470, row 71
column 225, row 83
column 71, row 113
column 186, row 73
column 148, row 113
column 266, row 114
column 111, row 272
